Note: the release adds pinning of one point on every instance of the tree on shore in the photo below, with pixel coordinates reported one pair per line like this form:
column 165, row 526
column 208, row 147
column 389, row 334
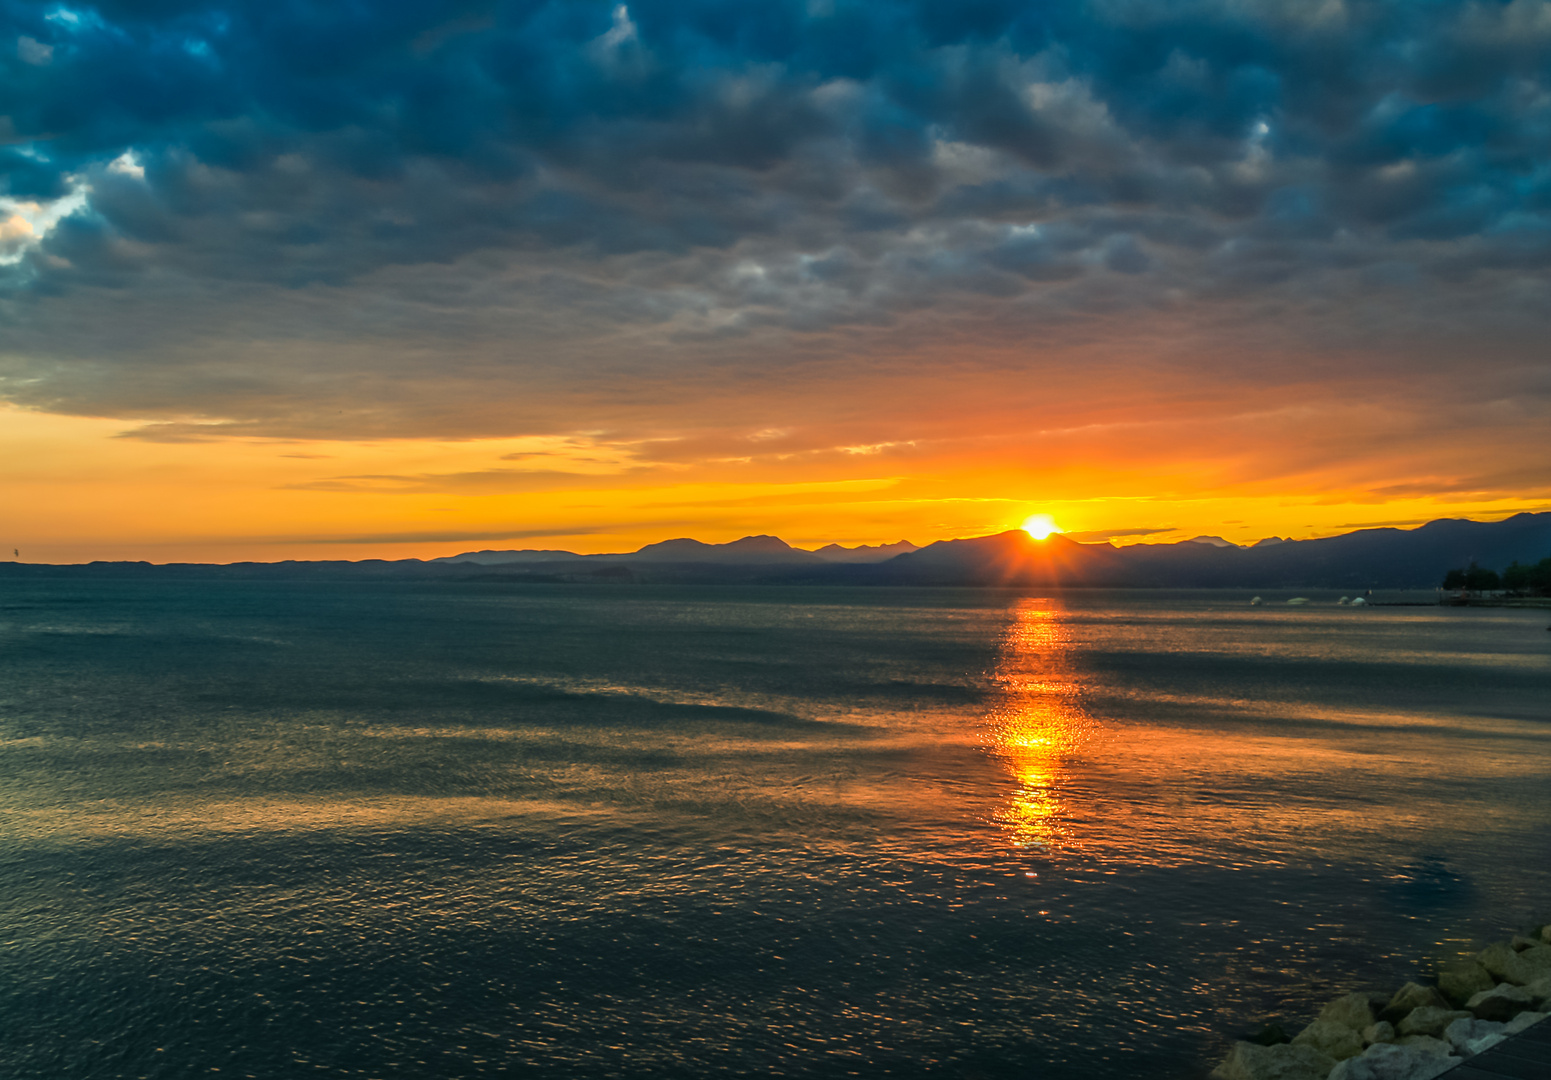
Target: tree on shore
column 1532, row 580
column 1472, row 579
column 1535, row 579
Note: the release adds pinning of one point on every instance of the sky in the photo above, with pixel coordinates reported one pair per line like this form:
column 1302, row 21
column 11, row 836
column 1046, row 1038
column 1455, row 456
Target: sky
column 384, row 280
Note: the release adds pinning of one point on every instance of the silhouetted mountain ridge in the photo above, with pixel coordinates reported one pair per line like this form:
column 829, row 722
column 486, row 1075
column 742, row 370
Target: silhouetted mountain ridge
column 1369, row 558
column 749, row 550
column 864, row 553
column 1387, row 558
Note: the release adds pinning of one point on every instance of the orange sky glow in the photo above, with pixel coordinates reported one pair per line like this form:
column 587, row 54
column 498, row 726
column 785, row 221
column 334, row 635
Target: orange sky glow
column 78, row 490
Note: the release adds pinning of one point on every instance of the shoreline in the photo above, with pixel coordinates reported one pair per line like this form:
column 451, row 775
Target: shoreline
column 1541, row 602
column 1423, row 1030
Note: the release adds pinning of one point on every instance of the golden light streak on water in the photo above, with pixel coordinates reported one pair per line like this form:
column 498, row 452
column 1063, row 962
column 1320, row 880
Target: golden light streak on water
column 1038, row 725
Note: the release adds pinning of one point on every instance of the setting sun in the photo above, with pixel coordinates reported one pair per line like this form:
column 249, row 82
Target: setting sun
column 1039, row 526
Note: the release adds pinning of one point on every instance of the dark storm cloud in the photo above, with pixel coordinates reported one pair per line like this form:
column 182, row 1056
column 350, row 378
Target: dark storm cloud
column 707, row 170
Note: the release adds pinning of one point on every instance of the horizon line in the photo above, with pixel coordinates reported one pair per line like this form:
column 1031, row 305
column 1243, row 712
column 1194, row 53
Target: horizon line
column 1069, row 538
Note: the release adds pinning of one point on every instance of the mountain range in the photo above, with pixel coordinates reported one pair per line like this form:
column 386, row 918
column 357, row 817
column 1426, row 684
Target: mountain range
column 1389, row 558
column 751, row 550
column 1369, row 558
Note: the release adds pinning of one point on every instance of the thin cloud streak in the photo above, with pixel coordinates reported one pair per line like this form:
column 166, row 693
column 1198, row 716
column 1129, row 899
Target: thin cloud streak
column 430, row 536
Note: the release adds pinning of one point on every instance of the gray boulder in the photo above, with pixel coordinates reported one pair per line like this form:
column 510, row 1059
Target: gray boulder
column 1530, row 965
column 1463, row 979
column 1470, row 1037
column 1545, row 933
column 1497, row 958
column 1382, row 1032
column 1350, row 1010
column 1502, row 1002
column 1411, row 996
column 1388, row 1061
column 1431, row 1043
column 1516, row 965
column 1285, row 1061
column 1522, row 1021
column 1430, row 1020
column 1540, row 990
column 1473, row 1047
column 1520, row 942
column 1329, row 1037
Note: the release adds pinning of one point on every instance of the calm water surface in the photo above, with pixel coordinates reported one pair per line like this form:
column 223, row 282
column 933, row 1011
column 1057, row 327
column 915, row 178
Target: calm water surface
column 417, row 831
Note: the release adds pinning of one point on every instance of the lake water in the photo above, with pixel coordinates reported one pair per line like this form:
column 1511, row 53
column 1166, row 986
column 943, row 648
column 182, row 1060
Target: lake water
column 431, row 831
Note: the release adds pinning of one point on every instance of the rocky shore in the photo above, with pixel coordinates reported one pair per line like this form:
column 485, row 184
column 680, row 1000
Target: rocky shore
column 1416, row 1033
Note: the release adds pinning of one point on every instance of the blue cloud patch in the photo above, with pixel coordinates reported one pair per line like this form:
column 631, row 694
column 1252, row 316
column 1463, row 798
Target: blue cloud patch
column 988, row 147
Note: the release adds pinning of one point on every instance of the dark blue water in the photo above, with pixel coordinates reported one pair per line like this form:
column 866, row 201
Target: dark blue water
column 406, row 831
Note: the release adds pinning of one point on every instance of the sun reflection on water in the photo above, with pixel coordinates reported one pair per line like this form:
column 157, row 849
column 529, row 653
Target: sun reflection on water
column 1038, row 724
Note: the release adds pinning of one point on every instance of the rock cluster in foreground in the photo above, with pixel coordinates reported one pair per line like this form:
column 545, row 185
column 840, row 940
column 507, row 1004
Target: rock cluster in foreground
column 1415, row 1033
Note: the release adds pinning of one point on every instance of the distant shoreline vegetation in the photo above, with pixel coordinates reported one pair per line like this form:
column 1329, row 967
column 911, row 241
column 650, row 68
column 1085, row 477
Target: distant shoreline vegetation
column 1517, row 579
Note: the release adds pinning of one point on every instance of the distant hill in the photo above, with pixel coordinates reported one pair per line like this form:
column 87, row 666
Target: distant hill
column 864, row 553
column 1371, row 558
column 755, row 550
column 499, row 558
column 750, row 550
column 1006, row 558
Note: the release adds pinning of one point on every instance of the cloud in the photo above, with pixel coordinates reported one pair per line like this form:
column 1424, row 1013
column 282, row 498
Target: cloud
column 481, row 482
column 442, row 536
column 1096, row 535
column 244, row 218
column 30, row 51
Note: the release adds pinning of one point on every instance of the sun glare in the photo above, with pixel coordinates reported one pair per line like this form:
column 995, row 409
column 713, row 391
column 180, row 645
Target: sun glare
column 1040, row 526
